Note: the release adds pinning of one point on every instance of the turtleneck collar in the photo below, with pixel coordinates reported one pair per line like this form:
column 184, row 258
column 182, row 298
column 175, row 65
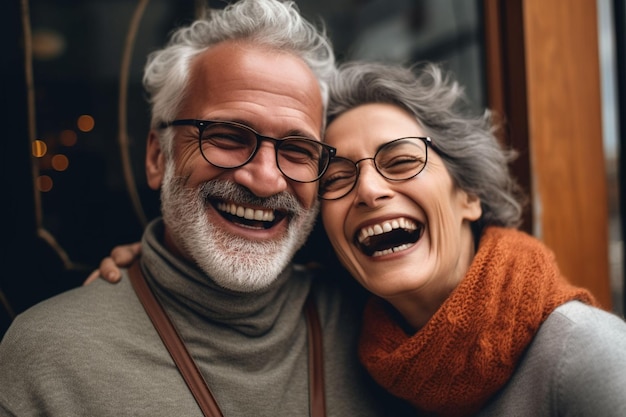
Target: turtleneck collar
column 181, row 284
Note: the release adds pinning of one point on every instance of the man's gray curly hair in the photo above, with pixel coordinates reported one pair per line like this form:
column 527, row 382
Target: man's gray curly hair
column 269, row 23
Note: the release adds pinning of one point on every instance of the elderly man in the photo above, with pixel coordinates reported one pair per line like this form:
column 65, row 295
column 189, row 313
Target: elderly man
column 237, row 104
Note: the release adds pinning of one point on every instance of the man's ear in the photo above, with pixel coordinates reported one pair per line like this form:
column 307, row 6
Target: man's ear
column 155, row 161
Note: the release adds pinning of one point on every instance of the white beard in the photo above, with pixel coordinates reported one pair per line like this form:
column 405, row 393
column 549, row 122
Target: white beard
column 233, row 262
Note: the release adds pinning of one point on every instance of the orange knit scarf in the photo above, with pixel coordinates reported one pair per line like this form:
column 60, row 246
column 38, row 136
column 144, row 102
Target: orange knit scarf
column 471, row 346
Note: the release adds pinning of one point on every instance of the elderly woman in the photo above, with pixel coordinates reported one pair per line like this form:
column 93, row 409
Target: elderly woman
column 469, row 316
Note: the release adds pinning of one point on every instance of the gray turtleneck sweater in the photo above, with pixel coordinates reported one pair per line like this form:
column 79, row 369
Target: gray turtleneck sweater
column 93, row 351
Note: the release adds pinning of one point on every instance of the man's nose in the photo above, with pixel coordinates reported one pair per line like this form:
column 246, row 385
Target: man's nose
column 261, row 175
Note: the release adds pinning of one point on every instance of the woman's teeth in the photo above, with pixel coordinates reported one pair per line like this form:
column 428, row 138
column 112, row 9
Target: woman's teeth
column 385, row 227
column 388, row 237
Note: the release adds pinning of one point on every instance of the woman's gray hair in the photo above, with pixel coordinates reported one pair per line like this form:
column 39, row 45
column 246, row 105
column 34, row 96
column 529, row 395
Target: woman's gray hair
column 271, row 23
column 466, row 142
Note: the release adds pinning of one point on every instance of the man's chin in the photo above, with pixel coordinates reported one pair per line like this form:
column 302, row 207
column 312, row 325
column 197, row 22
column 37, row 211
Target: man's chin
column 246, row 274
column 236, row 263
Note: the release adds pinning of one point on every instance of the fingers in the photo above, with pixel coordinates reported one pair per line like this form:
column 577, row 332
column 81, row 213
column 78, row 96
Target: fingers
column 124, row 255
column 121, row 257
column 108, row 271
column 92, row 277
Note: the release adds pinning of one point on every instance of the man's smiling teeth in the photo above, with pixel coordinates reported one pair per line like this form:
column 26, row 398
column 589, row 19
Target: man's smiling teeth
column 385, row 227
column 247, row 212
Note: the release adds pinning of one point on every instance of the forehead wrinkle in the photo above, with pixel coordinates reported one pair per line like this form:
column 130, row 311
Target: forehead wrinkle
column 291, row 130
column 228, row 93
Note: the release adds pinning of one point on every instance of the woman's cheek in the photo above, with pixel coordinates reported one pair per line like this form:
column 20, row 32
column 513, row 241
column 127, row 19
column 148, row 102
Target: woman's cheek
column 327, row 218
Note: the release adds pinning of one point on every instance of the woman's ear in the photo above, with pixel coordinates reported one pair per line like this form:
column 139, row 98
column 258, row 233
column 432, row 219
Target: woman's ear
column 155, row 161
column 472, row 210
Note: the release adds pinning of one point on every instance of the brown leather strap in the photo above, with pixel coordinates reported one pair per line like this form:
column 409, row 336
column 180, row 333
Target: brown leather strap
column 187, row 367
column 190, row 372
column 317, row 400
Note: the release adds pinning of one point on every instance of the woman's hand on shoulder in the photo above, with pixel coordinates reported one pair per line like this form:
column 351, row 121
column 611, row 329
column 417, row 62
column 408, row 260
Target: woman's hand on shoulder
column 121, row 256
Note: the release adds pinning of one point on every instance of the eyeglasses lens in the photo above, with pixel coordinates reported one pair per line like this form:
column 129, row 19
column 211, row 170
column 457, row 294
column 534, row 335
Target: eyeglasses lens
column 230, row 146
column 400, row 159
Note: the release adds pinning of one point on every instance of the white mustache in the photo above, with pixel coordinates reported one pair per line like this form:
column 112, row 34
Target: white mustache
column 235, row 193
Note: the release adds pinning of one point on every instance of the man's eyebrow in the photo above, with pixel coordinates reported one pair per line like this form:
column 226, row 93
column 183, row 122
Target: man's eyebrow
column 291, row 132
column 301, row 133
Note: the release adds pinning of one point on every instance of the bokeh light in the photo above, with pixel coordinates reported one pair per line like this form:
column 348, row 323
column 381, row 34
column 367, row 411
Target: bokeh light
column 60, row 162
column 44, row 183
column 85, row 123
column 48, row 44
column 68, row 137
column 39, row 148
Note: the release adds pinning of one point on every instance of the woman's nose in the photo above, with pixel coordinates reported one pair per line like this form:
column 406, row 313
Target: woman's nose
column 370, row 185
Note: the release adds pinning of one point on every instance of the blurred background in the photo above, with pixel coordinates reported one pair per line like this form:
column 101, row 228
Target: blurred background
column 76, row 120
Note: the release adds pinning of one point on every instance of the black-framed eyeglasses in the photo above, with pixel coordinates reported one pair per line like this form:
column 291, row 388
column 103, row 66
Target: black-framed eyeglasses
column 398, row 160
column 232, row 145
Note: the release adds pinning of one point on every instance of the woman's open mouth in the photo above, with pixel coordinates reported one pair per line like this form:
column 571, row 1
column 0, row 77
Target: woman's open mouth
column 389, row 236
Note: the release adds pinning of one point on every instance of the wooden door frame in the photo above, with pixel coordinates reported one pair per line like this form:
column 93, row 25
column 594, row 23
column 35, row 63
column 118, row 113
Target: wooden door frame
column 543, row 76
